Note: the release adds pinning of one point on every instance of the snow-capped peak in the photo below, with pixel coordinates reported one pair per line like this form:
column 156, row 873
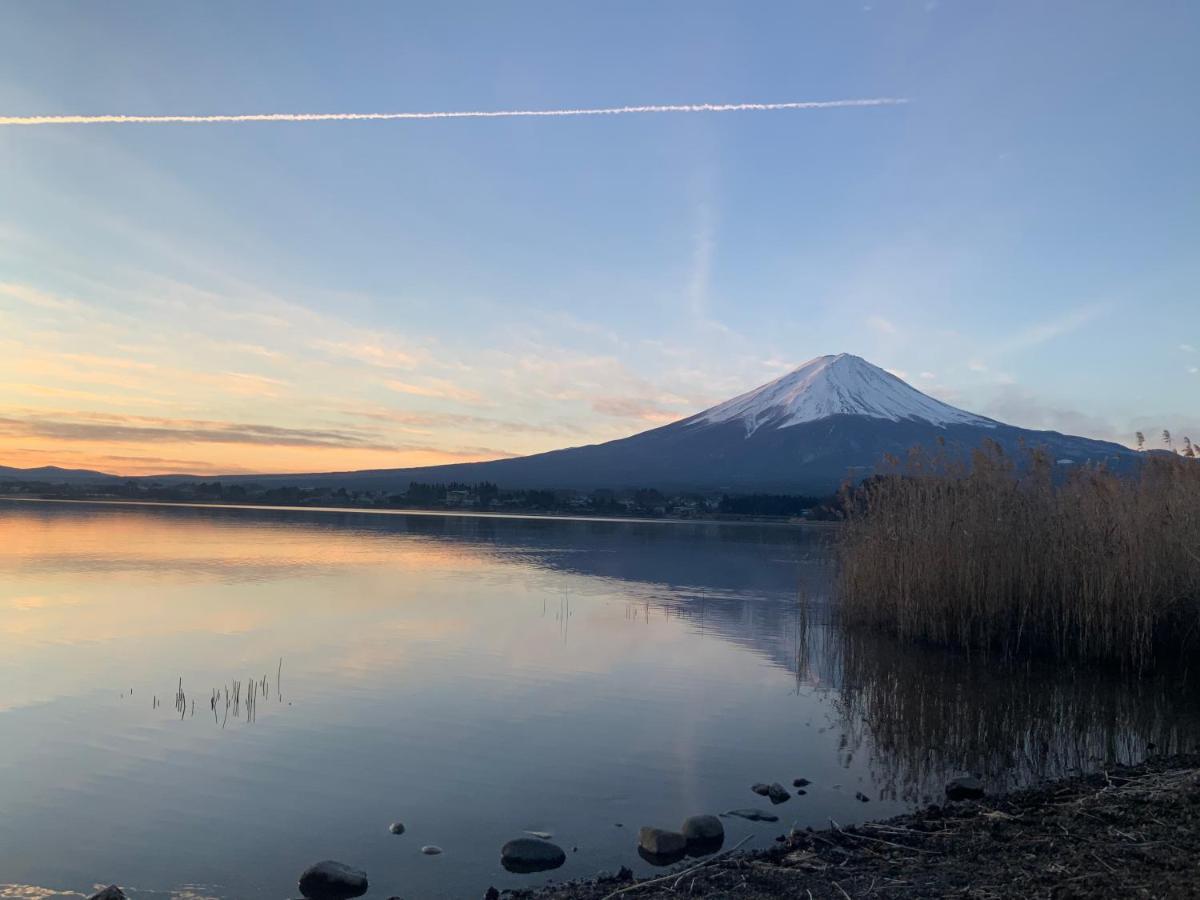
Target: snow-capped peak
column 833, row 386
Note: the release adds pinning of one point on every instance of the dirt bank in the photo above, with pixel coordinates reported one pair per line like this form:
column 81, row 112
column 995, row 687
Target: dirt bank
column 1126, row 832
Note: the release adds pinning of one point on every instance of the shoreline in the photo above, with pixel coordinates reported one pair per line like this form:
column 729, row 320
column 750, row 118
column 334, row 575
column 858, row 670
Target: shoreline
column 1121, row 831
column 435, row 513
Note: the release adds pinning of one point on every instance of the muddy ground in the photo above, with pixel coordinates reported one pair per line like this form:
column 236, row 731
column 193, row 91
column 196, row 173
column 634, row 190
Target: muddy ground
column 1125, row 832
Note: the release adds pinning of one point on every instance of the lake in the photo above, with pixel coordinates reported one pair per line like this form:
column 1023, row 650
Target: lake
column 201, row 702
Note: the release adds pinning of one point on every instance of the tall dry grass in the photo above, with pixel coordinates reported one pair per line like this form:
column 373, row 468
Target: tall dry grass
column 1011, row 556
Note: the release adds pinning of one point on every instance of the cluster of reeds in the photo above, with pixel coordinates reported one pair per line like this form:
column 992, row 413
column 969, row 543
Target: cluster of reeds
column 1025, row 556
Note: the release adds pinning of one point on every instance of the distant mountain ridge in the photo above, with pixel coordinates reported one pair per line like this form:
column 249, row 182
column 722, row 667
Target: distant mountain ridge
column 833, row 417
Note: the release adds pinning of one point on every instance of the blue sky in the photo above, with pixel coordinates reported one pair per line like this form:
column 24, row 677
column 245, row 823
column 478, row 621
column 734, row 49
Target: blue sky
column 1020, row 239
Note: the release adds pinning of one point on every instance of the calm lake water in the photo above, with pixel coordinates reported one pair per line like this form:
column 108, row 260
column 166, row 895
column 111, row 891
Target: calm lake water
column 473, row 678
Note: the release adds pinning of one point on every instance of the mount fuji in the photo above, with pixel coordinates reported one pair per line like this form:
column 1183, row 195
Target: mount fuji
column 833, row 417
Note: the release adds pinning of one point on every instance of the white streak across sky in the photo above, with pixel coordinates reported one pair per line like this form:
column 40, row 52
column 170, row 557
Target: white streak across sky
column 465, row 114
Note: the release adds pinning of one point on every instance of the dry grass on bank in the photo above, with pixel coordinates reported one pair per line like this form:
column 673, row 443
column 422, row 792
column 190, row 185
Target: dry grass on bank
column 1016, row 559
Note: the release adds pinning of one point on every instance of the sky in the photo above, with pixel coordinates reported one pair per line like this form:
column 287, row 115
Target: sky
column 1021, row 238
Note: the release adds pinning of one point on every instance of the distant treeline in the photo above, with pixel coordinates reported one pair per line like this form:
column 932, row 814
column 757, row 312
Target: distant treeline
column 486, row 495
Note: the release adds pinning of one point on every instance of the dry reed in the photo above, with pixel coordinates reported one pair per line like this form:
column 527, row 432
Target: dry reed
column 1016, row 557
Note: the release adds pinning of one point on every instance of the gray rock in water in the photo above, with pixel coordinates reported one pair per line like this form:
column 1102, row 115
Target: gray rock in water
column 112, row 892
column 330, row 880
column 754, row 815
column 778, row 793
column 531, row 855
column 396, row 828
column 660, row 842
column 702, row 830
column 966, row 787
column 431, row 849
column 761, row 789
column 801, row 782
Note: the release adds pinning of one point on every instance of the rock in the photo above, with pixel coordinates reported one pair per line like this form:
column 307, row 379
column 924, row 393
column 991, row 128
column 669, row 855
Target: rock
column 396, row 828
column 112, row 892
column 966, row 787
column 491, row 894
column 801, row 782
column 777, row 793
column 702, row 830
column 531, row 855
column 330, row 880
column 761, row 789
column 660, row 842
column 861, row 797
column 753, row 815
column 431, row 850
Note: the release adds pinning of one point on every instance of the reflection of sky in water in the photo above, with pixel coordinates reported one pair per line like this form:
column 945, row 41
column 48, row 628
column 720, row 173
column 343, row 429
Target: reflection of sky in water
column 470, row 677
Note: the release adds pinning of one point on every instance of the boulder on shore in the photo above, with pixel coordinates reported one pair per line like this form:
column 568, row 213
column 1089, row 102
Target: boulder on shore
column 965, row 787
column 702, row 830
column 660, row 842
column 112, row 892
column 332, row 880
column 531, row 855
column 777, row 793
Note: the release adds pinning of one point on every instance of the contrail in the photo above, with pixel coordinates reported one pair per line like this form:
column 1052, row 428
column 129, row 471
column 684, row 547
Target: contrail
column 466, row 114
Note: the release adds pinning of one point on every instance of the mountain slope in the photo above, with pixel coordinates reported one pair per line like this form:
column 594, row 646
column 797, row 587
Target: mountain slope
column 833, row 417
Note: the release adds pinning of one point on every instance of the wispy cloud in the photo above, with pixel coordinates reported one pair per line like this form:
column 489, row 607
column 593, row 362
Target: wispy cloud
column 635, row 408
column 1048, row 330
column 124, row 119
column 436, row 388
column 880, row 324
column 148, row 429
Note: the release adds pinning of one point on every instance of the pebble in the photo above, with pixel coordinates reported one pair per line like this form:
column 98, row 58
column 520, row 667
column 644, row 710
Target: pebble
column 396, row 828
column 431, row 850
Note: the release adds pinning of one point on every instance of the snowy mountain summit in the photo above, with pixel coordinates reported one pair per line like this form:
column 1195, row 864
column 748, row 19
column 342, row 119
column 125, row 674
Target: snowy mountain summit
column 841, row 385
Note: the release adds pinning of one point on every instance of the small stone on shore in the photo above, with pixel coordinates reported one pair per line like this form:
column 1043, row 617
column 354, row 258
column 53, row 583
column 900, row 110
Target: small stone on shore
column 761, row 789
column 801, row 782
column 777, row 793
column 753, row 815
column 396, row 828
column 431, row 850
column 112, row 892
column 331, row 880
